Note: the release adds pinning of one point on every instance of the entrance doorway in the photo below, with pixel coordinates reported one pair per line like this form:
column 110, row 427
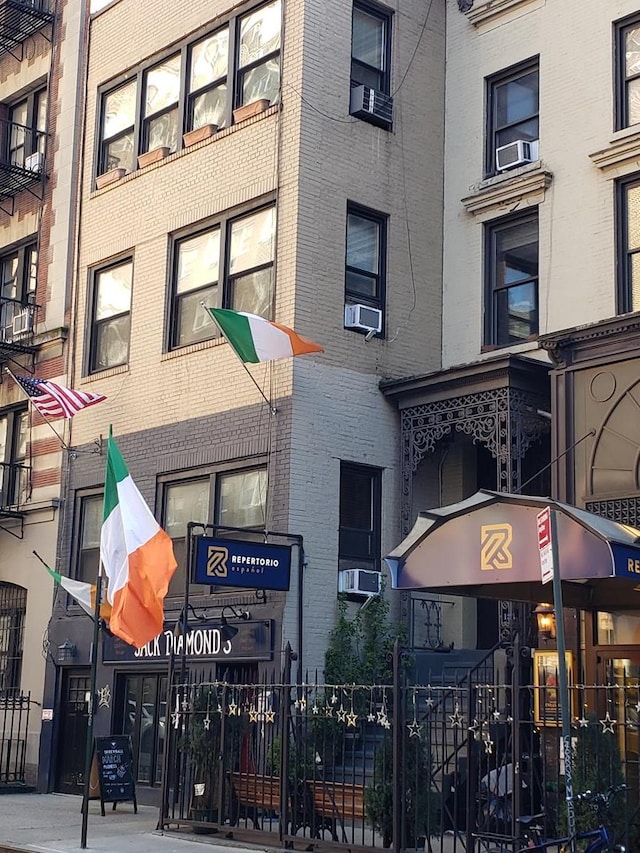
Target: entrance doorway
column 72, row 740
column 142, row 714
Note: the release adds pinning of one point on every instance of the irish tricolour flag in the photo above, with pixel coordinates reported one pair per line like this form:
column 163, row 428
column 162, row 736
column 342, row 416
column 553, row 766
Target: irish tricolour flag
column 84, row 593
column 137, row 556
column 255, row 339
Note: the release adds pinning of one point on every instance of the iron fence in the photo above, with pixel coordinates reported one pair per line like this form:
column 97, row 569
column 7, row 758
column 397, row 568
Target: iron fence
column 14, row 725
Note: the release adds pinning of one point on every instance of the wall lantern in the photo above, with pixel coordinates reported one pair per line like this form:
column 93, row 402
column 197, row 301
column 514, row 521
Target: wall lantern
column 67, row 651
column 228, row 631
column 546, row 618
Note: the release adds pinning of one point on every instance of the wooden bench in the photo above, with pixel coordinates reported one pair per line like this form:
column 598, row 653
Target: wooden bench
column 255, row 795
column 337, row 802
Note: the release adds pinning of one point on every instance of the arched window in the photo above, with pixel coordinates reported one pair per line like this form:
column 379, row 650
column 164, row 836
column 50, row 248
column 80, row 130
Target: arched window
column 13, row 608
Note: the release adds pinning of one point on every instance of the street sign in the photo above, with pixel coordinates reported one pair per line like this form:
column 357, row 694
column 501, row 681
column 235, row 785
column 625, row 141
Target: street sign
column 544, row 544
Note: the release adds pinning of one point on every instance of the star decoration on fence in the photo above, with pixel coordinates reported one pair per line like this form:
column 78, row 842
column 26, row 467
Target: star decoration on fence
column 475, row 728
column 206, row 723
column 253, row 715
column 488, row 746
column 342, row 714
column 303, row 703
column 456, row 718
column 638, row 707
column 496, row 715
column 382, row 717
column 352, row 719
column 270, row 716
column 583, row 722
column 233, row 710
column 414, row 728
column 175, row 719
column 315, row 709
column 370, row 717
column 608, row 724
column 430, row 702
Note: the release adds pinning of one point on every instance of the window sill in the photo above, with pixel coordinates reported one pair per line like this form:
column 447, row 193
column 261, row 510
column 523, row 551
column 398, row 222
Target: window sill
column 494, row 197
column 103, row 374
column 524, row 346
column 488, row 10
column 221, row 134
column 621, row 156
column 189, row 348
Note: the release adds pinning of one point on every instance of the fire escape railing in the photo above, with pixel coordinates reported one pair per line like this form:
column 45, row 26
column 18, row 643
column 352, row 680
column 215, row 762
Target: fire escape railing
column 20, row 19
column 17, row 326
column 22, row 159
column 15, row 488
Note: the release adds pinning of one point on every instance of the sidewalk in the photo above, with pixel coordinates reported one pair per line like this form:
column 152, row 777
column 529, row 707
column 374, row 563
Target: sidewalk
column 52, row 823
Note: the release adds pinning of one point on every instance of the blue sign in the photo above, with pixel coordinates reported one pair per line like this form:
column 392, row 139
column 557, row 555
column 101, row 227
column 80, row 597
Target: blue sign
column 232, row 562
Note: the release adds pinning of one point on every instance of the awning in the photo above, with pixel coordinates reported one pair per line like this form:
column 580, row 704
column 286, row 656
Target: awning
column 487, row 546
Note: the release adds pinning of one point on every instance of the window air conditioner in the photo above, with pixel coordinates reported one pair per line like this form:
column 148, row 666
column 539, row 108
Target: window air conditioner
column 371, row 105
column 359, row 582
column 363, row 317
column 516, row 154
column 22, row 323
column 34, row 162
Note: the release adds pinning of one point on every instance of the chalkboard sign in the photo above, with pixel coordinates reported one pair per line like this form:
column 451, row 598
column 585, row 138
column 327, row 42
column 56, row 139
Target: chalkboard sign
column 114, row 760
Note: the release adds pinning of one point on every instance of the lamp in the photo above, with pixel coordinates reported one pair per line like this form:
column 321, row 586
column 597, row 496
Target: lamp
column 227, row 631
column 67, row 651
column 546, row 618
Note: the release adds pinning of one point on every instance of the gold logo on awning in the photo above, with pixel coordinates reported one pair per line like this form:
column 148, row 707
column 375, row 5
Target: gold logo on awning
column 217, row 557
column 495, row 540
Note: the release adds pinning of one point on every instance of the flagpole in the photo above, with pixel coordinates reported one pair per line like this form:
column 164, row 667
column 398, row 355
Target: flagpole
column 272, row 408
column 46, row 420
column 92, row 699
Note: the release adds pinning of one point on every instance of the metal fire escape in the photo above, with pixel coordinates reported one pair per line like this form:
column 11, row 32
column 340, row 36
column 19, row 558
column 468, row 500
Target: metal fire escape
column 20, row 19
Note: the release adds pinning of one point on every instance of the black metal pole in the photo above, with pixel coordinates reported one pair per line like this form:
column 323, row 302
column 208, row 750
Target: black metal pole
column 92, row 699
column 300, row 609
column 398, row 726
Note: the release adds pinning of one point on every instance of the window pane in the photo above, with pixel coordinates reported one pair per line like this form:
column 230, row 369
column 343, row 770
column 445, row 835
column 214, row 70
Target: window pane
column 198, row 261
column 368, row 38
column 19, row 113
column 209, row 107
column 8, row 271
column 527, row 130
column 209, row 59
column 21, row 428
column 112, row 342
column 517, row 99
column 362, row 75
column 31, row 261
column 119, row 110
column 259, row 33
column 185, row 502
column 252, row 240
column 633, row 101
column 119, row 153
column 632, row 52
column 114, row 291
column 356, row 499
column 263, row 81
column 163, row 132
column 634, row 284
column 162, row 86
column 363, row 245
column 91, row 521
column 253, row 293
column 193, row 324
column 365, row 285
column 516, row 254
column 41, row 110
column 517, row 313
column 243, row 498
column 3, row 439
column 633, row 217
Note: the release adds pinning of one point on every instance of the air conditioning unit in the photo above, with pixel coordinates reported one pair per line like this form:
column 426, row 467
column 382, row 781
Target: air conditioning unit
column 359, row 582
column 516, row 154
column 363, row 317
column 22, row 323
column 371, row 105
column 34, row 162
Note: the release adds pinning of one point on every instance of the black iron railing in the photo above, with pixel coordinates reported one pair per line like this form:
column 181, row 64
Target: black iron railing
column 17, row 325
column 15, row 485
column 14, row 727
column 22, row 158
column 20, row 19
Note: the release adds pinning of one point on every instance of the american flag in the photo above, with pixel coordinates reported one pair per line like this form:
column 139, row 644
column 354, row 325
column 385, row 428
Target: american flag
column 56, row 401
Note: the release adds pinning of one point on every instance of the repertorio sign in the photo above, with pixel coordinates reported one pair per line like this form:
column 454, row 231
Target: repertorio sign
column 252, row 565
column 114, row 764
column 202, row 640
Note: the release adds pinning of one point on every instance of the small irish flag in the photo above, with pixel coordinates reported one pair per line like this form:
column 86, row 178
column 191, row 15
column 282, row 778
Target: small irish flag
column 255, row 339
column 84, row 594
column 137, row 556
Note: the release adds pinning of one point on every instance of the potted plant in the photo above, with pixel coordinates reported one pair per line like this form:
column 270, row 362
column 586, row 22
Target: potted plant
column 249, row 110
column 153, row 156
column 110, row 177
column 199, row 134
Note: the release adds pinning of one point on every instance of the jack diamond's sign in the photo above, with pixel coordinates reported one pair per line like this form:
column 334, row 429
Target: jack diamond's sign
column 231, row 562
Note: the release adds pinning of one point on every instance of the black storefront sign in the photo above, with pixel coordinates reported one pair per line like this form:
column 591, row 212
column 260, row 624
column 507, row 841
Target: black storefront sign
column 231, row 562
column 203, row 641
column 114, row 760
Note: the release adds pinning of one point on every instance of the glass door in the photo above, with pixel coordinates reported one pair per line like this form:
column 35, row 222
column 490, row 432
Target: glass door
column 143, row 716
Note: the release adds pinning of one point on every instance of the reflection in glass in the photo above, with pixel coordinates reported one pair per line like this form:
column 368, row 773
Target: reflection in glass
column 263, row 81
column 119, row 110
column 114, row 291
column 209, row 59
column 259, row 33
column 163, row 132
column 252, row 293
column 368, row 38
column 112, row 343
column 209, row 107
column 252, row 241
column 243, row 497
column 162, row 86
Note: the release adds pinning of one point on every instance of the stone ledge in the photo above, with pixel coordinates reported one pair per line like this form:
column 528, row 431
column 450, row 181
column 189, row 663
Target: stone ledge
column 496, row 196
column 485, row 11
column 621, row 156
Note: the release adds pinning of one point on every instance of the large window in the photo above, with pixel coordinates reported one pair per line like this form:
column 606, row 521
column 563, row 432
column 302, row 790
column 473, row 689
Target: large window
column 242, row 248
column 511, row 309
column 27, row 134
column 627, row 41
column 360, row 517
column 88, row 527
column 628, row 231
column 200, row 83
column 240, row 501
column 370, row 47
column 512, row 109
column 15, row 471
column 365, row 257
column 18, row 280
column 111, row 316
column 13, row 609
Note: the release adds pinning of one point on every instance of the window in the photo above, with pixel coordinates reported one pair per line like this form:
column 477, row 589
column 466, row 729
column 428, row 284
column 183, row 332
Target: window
column 360, row 517
column 371, row 48
column 27, row 129
column 627, row 41
column 18, row 280
column 15, row 471
column 13, row 609
column 89, row 525
column 511, row 310
column 365, row 257
column 240, row 501
column 244, row 248
column 512, row 109
column 628, row 231
column 201, row 83
column 111, row 316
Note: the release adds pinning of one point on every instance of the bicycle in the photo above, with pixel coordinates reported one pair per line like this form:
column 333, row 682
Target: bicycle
column 600, row 840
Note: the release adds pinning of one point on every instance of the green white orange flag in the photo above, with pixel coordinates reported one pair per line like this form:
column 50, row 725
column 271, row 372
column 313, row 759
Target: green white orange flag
column 255, row 339
column 137, row 556
column 84, row 594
